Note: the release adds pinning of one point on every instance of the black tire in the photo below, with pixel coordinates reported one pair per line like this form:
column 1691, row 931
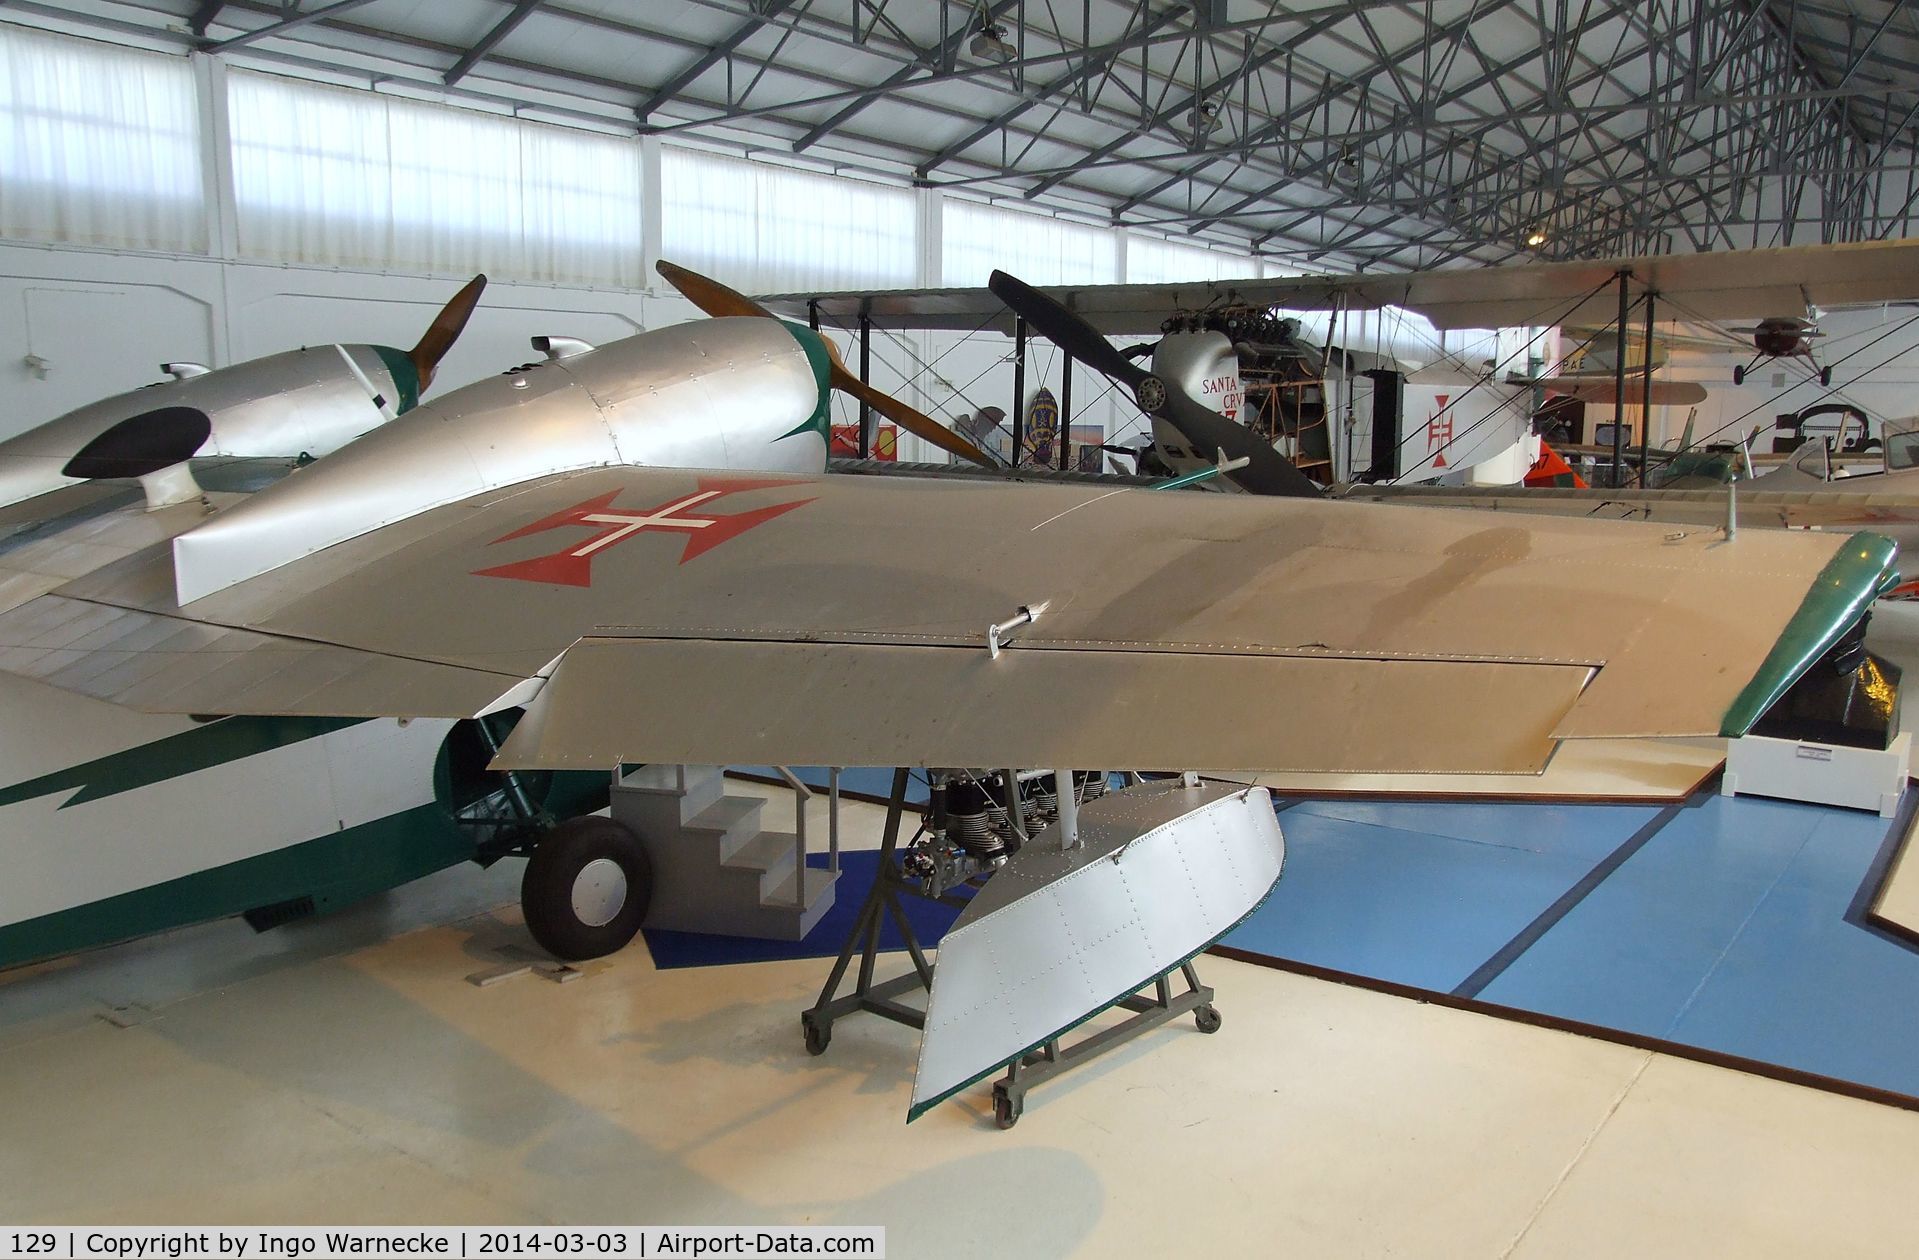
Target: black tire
column 1207, row 1017
column 1825, row 378
column 547, row 888
column 1739, row 376
column 817, row 1037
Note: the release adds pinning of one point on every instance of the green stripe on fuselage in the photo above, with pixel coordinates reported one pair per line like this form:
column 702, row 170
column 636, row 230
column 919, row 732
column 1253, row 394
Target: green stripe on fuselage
column 334, row 870
column 202, row 748
column 818, row 358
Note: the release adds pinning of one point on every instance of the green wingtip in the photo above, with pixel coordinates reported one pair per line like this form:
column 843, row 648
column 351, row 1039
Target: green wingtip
column 1851, row 580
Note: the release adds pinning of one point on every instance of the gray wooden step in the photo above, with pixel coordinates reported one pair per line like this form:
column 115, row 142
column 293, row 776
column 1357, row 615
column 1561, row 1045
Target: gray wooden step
column 731, row 821
column 768, row 855
column 820, row 889
column 649, row 798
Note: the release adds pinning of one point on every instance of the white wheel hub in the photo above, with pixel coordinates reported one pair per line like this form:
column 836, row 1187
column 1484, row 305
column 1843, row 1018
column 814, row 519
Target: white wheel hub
column 599, row 892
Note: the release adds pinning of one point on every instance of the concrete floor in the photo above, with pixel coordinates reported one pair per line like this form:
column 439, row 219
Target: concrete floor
column 345, row 1071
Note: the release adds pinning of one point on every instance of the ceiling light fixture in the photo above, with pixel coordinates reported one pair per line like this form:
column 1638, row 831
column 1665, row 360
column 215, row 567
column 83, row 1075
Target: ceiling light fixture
column 989, row 44
column 1536, row 238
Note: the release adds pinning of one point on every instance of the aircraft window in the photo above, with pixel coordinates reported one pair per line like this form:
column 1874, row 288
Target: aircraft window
column 1902, row 449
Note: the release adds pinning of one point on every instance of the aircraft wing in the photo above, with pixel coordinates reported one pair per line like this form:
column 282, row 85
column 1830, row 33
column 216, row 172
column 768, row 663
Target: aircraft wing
column 654, row 614
column 1736, row 284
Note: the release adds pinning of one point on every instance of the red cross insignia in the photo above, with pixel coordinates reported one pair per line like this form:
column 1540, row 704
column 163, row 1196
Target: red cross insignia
column 573, row 566
column 1439, row 432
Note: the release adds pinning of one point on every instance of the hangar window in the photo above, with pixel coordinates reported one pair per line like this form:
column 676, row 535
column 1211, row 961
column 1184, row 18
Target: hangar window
column 347, row 177
column 770, row 228
column 1037, row 248
column 98, row 145
column 1150, row 260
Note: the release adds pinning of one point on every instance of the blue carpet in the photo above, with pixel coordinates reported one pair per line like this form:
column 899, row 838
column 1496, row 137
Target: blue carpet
column 930, row 920
column 1732, row 928
column 1396, row 891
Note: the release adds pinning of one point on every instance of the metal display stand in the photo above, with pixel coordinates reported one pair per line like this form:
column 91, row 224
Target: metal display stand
column 890, row 883
column 1041, row 1065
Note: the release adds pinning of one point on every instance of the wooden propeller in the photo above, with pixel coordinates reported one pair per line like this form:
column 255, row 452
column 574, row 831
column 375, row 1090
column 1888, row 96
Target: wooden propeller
column 445, row 330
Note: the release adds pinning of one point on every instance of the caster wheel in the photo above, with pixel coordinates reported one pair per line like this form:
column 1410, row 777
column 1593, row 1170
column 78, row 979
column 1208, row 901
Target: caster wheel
column 1006, row 1111
column 1739, row 376
column 1825, row 377
column 1207, row 1017
column 586, row 888
column 817, row 1037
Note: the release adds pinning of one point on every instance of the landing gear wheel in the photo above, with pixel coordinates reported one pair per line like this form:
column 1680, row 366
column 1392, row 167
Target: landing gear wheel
column 586, row 888
column 1825, row 377
column 1739, row 376
column 1006, row 1110
column 817, row 1036
column 1207, row 1017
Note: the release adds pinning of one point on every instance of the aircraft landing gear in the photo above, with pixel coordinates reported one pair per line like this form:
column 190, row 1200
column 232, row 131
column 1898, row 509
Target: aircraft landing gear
column 1825, row 377
column 1739, row 375
column 587, row 887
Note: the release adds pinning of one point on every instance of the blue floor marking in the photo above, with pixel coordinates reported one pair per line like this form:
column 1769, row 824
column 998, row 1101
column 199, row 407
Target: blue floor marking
column 1802, row 987
column 1733, row 926
column 1549, row 918
column 1383, row 898
column 1636, row 950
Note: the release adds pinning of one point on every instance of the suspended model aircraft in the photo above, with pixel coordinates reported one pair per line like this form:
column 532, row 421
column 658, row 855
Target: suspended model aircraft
column 1782, row 337
column 669, row 578
column 302, row 402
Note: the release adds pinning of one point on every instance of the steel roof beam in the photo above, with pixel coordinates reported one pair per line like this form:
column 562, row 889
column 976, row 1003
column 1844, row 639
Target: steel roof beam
column 708, row 59
column 476, row 54
column 286, row 25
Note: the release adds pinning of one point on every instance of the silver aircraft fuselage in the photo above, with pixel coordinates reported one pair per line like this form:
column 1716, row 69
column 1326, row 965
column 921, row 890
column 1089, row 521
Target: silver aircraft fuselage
column 646, row 399
column 310, row 401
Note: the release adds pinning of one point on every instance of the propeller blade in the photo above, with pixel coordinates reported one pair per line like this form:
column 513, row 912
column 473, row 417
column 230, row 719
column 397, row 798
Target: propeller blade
column 709, row 294
column 1266, row 470
column 718, row 301
column 445, row 330
column 918, row 423
column 1065, row 329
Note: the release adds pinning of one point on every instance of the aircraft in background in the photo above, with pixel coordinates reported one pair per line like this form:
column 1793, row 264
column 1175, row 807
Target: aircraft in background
column 299, row 403
column 1783, row 337
column 1405, row 417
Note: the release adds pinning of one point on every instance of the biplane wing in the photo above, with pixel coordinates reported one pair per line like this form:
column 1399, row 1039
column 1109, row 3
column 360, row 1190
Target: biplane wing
column 1713, row 286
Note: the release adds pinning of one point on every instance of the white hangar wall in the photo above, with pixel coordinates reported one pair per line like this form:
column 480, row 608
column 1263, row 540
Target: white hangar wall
column 155, row 207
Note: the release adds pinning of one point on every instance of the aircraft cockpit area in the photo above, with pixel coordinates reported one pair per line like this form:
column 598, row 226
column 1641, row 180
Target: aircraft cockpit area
column 958, row 627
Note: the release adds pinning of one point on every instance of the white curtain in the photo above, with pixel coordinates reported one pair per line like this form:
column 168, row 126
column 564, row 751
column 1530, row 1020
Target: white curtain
column 346, row 177
column 1039, row 249
column 98, row 145
column 1152, row 260
column 763, row 228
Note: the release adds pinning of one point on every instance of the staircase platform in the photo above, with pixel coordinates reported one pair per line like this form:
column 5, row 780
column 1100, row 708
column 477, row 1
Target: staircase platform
column 715, row 869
